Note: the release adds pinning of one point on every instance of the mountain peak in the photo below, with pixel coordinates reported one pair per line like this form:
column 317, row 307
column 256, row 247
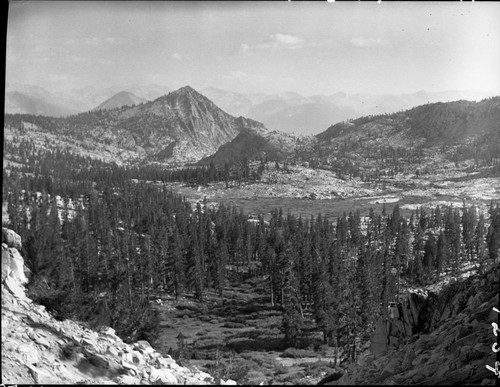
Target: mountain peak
column 189, row 93
column 122, row 98
column 186, row 90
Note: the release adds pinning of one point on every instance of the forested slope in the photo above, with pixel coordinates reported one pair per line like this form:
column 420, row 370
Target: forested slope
column 100, row 247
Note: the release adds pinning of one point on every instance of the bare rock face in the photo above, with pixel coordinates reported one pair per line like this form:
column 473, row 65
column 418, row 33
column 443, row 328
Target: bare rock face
column 13, row 273
column 450, row 343
column 10, row 238
column 13, row 265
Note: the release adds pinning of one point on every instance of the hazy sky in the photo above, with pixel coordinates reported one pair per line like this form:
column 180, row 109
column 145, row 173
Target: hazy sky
column 307, row 47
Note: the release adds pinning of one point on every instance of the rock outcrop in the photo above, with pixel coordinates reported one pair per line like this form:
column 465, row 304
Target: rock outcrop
column 444, row 338
column 38, row 349
column 11, row 239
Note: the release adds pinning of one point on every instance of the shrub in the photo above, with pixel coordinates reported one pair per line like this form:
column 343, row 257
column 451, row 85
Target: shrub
column 279, row 369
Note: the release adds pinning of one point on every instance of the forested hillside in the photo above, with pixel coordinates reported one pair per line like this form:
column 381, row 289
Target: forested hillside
column 412, row 141
column 100, row 245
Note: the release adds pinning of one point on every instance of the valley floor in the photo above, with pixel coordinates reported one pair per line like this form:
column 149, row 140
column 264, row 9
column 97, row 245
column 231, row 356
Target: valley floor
column 305, row 192
column 240, row 338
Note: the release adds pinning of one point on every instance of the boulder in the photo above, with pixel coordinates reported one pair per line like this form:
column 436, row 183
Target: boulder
column 90, row 343
column 134, row 357
column 9, row 345
column 130, row 368
column 15, row 288
column 163, row 375
column 127, row 379
column 13, row 265
column 164, row 361
column 43, row 341
column 143, row 346
column 11, row 238
column 110, row 332
column 228, row 382
column 41, row 376
column 113, row 351
column 28, row 353
column 137, row 358
column 408, row 359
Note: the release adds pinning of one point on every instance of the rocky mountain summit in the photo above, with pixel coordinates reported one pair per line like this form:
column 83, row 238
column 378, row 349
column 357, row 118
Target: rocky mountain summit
column 443, row 338
column 36, row 348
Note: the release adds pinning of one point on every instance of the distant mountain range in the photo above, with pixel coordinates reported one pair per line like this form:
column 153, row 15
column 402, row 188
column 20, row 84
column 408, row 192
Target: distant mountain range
column 17, row 102
column 291, row 112
column 288, row 111
column 185, row 126
column 29, row 99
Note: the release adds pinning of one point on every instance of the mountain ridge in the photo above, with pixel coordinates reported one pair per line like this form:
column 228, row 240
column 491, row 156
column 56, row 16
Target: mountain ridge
column 433, row 123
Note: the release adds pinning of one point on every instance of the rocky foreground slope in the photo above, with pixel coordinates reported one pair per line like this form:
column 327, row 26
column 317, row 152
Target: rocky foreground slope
column 443, row 338
column 38, row 349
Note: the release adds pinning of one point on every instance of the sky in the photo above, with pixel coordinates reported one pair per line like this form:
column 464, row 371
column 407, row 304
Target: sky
column 256, row 47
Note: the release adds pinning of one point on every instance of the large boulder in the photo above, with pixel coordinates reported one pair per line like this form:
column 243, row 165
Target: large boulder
column 12, row 261
column 13, row 269
column 41, row 376
column 11, row 239
column 13, row 265
column 165, row 376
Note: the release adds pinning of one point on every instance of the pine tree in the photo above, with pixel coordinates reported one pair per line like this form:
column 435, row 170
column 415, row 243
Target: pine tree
column 493, row 236
column 292, row 314
column 468, row 227
column 177, row 263
column 480, row 242
column 430, row 254
column 325, row 307
column 442, row 254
